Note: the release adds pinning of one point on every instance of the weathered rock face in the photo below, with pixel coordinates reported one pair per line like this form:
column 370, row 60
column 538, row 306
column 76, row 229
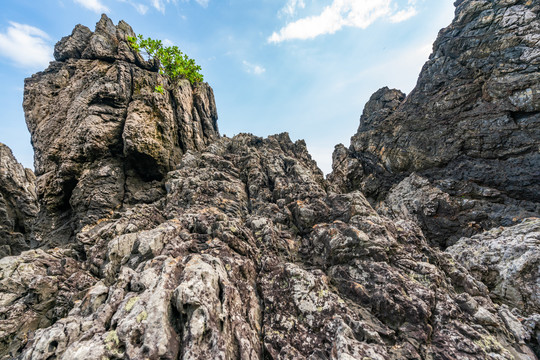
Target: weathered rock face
column 448, row 209
column 507, row 260
column 248, row 256
column 471, row 126
column 176, row 243
column 18, row 204
column 103, row 137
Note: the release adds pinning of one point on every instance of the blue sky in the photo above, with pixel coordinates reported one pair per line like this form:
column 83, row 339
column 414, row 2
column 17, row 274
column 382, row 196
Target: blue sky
column 302, row 66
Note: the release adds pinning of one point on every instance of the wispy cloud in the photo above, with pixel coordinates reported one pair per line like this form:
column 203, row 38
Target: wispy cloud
column 403, row 15
column 167, row 42
column 141, row 8
column 340, row 14
column 160, row 4
column 93, row 5
column 291, row 6
column 203, row 3
column 27, row 46
column 253, row 68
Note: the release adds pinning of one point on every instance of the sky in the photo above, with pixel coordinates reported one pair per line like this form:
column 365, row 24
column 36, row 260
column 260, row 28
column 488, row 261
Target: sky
column 306, row 67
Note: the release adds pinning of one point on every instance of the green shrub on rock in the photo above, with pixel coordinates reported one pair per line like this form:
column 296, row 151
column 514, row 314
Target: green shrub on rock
column 172, row 62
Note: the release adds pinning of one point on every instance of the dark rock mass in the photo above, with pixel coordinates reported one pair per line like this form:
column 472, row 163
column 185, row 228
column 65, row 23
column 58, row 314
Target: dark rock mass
column 470, row 129
column 18, row 204
column 147, row 235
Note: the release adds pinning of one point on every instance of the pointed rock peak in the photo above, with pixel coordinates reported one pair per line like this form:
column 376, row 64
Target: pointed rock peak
column 470, row 127
column 108, row 42
column 103, row 136
column 105, row 26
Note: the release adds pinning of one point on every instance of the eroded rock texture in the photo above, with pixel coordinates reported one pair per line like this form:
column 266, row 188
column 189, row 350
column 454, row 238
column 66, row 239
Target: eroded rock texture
column 471, row 127
column 507, row 260
column 18, row 204
column 176, row 243
column 248, row 256
column 102, row 136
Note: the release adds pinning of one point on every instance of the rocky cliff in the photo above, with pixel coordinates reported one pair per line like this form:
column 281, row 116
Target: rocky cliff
column 146, row 235
column 103, row 138
column 18, row 204
column 469, row 132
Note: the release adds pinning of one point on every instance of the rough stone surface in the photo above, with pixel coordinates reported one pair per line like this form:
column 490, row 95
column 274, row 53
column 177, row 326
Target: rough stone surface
column 175, row 243
column 18, row 204
column 102, row 136
column 507, row 260
column 472, row 123
column 447, row 210
column 248, row 256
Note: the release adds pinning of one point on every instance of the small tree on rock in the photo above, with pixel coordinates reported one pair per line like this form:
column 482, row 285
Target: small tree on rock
column 172, row 62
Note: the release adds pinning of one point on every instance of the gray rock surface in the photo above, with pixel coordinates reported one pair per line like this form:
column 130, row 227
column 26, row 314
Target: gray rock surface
column 175, row 243
column 447, row 210
column 507, row 260
column 248, row 256
column 18, row 204
column 471, row 126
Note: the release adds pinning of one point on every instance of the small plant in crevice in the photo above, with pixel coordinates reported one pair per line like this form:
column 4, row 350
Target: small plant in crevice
column 172, row 62
column 159, row 89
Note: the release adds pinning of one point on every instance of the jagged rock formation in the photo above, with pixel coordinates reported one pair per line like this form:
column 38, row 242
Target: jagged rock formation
column 471, row 127
column 18, row 204
column 248, row 256
column 174, row 242
column 102, row 136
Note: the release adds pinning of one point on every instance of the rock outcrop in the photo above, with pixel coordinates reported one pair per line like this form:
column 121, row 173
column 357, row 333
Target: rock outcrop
column 158, row 239
column 248, row 256
column 471, row 127
column 103, row 137
column 18, row 204
column 507, row 261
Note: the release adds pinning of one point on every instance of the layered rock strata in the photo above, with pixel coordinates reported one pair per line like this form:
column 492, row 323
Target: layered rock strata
column 102, row 135
column 471, row 127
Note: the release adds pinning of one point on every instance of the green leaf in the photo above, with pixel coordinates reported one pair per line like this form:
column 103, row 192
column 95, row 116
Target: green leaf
column 172, row 62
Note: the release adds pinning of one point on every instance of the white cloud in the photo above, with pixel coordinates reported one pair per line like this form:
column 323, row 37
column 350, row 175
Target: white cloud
column 141, row 8
column 167, row 42
column 26, row 46
column 203, row 3
column 290, row 8
column 342, row 13
column 160, row 4
column 403, row 15
column 253, row 68
column 94, row 5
